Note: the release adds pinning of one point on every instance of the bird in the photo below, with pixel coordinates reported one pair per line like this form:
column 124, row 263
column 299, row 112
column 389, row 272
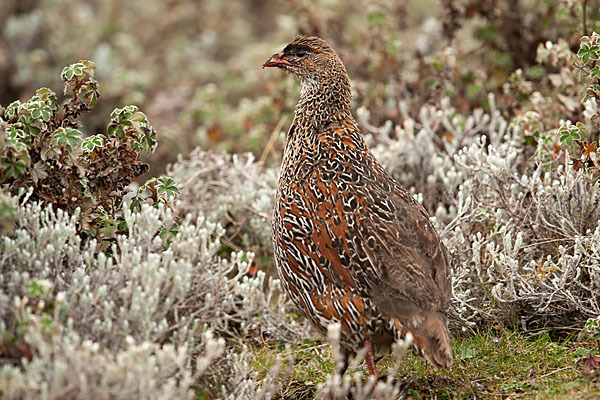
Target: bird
column 350, row 245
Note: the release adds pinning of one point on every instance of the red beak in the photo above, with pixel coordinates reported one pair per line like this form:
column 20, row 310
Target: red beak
column 276, row 60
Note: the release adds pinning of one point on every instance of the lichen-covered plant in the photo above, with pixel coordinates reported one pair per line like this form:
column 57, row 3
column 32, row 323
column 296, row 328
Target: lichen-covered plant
column 112, row 293
column 133, row 323
column 581, row 140
column 519, row 218
column 495, row 141
column 518, row 212
column 235, row 190
column 417, row 53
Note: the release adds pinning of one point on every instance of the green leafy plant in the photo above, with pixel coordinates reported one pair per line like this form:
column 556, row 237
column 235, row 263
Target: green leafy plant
column 43, row 148
column 592, row 328
column 589, row 50
column 589, row 53
column 155, row 190
column 571, row 133
column 578, row 139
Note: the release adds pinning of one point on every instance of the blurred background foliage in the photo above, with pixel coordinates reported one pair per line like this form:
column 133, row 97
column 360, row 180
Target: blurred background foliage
column 453, row 70
column 194, row 66
column 487, row 111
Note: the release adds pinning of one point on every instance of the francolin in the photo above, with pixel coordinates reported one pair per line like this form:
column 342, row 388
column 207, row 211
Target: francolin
column 351, row 246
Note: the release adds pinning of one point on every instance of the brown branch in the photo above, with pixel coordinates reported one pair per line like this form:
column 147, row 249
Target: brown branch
column 585, row 29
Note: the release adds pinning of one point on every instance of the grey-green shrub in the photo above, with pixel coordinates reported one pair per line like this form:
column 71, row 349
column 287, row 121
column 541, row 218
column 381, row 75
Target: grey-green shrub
column 135, row 322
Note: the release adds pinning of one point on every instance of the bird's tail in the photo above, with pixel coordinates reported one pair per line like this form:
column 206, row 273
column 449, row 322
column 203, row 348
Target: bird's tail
column 431, row 339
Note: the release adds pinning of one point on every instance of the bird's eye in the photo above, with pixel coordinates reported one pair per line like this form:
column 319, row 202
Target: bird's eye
column 301, row 53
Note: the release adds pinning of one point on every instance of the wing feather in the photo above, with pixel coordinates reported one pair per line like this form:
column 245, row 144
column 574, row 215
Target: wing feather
column 396, row 256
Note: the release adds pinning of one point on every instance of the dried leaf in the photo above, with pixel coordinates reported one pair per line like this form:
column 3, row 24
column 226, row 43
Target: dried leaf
column 38, row 171
column 591, row 365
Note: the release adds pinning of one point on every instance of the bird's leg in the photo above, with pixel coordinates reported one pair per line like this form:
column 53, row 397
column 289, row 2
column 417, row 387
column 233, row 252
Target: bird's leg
column 346, row 363
column 369, row 358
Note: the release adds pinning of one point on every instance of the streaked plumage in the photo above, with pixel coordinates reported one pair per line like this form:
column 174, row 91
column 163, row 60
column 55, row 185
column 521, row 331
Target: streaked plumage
column 350, row 244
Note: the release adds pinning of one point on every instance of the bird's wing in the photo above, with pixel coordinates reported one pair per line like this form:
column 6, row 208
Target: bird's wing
column 373, row 235
column 406, row 260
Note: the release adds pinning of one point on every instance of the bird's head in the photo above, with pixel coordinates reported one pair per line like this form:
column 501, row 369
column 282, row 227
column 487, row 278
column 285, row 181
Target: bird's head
column 309, row 58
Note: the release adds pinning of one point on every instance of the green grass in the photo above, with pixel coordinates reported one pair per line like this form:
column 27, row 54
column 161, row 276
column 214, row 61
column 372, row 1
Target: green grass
column 491, row 364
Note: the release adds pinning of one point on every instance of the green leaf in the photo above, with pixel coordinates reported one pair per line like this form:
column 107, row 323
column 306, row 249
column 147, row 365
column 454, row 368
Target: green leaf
column 377, row 18
column 38, row 288
column 12, row 111
column 588, row 52
column 46, row 323
column 530, row 140
column 466, row 353
column 167, row 185
column 136, row 204
column 171, row 233
column 593, row 325
column 112, row 130
column 67, row 73
column 44, row 93
column 48, row 97
column 89, row 93
column 46, row 115
column 138, row 116
column 19, row 147
column 90, row 143
column 14, row 133
column 32, row 130
column 473, row 90
column 487, row 33
column 13, row 169
column 67, row 137
column 78, row 69
column 568, row 135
